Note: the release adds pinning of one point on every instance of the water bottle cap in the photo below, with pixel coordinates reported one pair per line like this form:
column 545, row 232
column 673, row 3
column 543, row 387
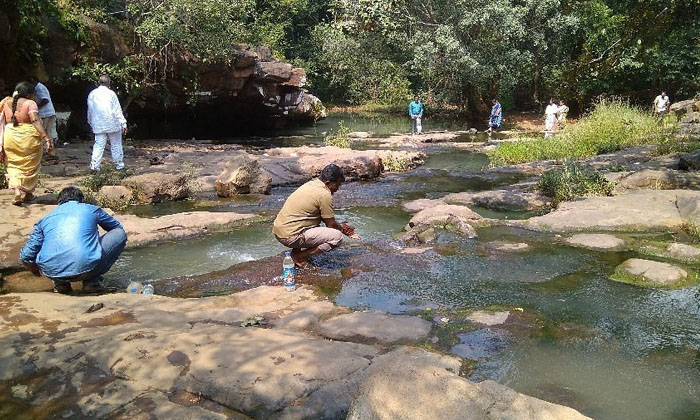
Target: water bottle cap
column 287, row 253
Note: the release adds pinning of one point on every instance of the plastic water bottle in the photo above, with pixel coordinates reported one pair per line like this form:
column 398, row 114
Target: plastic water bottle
column 288, row 275
column 148, row 290
column 134, row 287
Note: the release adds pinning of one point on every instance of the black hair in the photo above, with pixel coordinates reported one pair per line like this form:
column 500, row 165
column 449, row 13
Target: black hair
column 22, row 90
column 70, row 194
column 332, row 173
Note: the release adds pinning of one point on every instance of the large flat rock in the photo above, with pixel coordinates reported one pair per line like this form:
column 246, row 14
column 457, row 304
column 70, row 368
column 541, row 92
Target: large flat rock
column 599, row 241
column 375, row 326
column 637, row 210
column 414, row 384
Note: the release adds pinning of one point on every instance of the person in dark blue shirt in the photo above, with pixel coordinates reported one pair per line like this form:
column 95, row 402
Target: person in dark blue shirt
column 65, row 245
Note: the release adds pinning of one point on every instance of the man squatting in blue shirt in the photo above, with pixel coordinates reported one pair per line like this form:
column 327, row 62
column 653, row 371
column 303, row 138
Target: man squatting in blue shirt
column 65, row 245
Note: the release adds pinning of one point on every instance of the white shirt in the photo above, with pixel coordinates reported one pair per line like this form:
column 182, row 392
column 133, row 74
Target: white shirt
column 551, row 109
column 661, row 103
column 41, row 92
column 104, row 112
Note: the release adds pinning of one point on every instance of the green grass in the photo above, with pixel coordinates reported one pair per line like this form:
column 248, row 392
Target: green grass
column 613, row 125
column 396, row 162
column 572, row 180
column 338, row 138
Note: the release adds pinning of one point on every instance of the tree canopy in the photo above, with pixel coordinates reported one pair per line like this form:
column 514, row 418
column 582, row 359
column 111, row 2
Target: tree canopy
column 456, row 52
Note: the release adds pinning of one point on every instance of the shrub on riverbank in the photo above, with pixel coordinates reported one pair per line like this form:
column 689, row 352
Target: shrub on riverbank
column 338, row 138
column 572, row 181
column 611, row 126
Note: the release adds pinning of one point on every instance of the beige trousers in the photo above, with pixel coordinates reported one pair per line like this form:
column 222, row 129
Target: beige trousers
column 324, row 238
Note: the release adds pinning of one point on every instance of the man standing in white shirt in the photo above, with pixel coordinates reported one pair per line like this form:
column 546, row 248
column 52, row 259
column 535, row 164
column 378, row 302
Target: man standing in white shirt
column 661, row 105
column 550, row 116
column 47, row 113
column 108, row 123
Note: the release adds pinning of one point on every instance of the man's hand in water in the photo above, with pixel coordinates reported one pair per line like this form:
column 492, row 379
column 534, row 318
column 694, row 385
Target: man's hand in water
column 347, row 229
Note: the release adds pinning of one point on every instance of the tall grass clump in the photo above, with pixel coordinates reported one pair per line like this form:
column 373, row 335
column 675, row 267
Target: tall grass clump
column 107, row 175
column 612, row 125
column 572, row 180
column 338, row 138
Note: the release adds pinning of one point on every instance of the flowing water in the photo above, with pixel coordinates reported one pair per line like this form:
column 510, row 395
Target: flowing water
column 611, row 350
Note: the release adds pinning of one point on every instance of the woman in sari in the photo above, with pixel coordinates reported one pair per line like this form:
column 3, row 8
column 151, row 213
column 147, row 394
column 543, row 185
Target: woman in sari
column 496, row 116
column 22, row 142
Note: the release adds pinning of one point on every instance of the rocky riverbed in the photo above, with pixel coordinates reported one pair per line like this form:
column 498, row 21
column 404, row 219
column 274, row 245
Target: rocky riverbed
column 265, row 353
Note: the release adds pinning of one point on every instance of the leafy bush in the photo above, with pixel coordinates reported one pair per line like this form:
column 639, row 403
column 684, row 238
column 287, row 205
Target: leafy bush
column 339, row 138
column 571, row 181
column 396, row 163
column 107, row 175
column 613, row 125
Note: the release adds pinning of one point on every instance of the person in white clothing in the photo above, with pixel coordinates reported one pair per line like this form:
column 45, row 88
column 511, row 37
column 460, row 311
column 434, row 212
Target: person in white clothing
column 108, row 123
column 550, row 116
column 661, row 105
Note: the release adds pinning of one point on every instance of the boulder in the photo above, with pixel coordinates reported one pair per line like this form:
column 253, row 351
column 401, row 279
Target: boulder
column 446, row 215
column 411, row 384
column 664, row 179
column 501, row 199
column 309, row 108
column 650, row 272
column 683, row 252
column 599, row 241
column 636, row 210
column 683, row 107
column 375, row 326
column 242, row 175
column 689, row 161
column 297, row 78
column 156, row 187
column 273, row 71
column 114, row 196
column 691, row 118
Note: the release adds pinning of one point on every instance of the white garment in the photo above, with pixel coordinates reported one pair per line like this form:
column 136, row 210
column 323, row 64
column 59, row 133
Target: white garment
column 550, row 116
column 41, row 92
column 104, row 112
column 115, row 143
column 416, row 126
column 661, row 103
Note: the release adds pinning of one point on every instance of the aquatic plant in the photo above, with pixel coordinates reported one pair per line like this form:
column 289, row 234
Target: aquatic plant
column 338, row 138
column 612, row 125
column 572, row 180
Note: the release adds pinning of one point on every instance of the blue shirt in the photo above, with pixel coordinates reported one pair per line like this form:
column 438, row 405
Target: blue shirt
column 66, row 241
column 415, row 108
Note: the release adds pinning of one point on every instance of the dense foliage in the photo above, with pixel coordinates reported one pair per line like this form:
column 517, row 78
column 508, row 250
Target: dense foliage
column 457, row 52
column 572, row 180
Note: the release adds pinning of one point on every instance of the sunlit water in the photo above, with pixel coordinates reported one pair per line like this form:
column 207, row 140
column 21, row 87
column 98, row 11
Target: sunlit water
column 610, row 350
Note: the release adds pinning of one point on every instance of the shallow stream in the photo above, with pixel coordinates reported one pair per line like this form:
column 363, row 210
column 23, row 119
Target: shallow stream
column 610, row 350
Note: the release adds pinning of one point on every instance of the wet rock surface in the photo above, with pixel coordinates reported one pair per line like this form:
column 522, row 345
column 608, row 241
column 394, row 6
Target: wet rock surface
column 242, row 175
column 600, row 241
column 375, row 325
column 183, row 358
column 458, row 217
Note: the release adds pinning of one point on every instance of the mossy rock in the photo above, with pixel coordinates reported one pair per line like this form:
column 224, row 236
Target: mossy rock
column 654, row 274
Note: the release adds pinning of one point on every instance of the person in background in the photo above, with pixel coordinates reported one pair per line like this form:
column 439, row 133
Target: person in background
column 297, row 225
column 496, row 116
column 47, row 113
column 108, row 123
column 415, row 111
column 23, row 142
column 550, row 116
column 65, row 245
column 562, row 111
column 661, row 103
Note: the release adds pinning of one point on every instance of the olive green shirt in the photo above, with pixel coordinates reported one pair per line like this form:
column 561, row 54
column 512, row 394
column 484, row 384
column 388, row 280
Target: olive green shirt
column 304, row 209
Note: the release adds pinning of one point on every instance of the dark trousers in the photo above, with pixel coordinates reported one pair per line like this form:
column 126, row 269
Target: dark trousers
column 113, row 243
